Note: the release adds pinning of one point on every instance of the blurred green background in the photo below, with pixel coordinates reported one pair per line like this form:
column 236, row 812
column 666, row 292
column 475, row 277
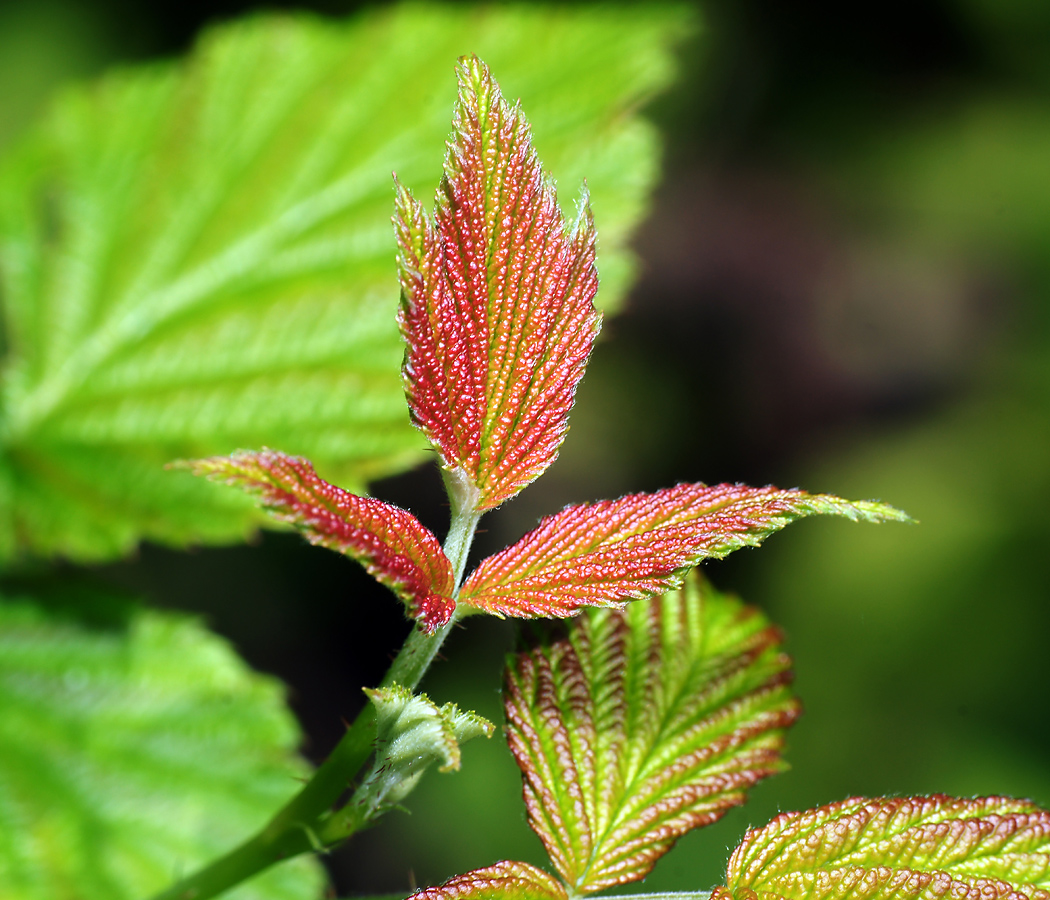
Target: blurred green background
column 844, row 286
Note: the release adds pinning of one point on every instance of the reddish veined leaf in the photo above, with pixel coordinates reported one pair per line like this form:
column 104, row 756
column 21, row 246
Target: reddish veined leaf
column 643, row 724
column 390, row 542
column 503, row 881
column 497, row 302
column 895, row 849
column 597, row 554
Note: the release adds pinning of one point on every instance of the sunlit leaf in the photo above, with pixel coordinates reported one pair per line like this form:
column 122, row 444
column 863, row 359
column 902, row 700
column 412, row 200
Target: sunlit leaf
column 130, row 754
column 603, row 553
column 642, row 724
column 503, row 881
column 497, row 301
column 390, row 542
column 899, row 847
column 197, row 257
column 412, row 734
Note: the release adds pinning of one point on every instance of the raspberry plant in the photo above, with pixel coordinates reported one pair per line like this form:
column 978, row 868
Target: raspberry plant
column 661, row 701
column 656, row 701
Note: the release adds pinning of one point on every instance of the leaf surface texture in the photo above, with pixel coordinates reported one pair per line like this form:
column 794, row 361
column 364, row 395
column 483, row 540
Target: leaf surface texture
column 197, row 257
column 497, row 299
column 900, row 848
column 608, row 552
column 642, row 724
column 390, row 542
column 129, row 754
column 502, row 881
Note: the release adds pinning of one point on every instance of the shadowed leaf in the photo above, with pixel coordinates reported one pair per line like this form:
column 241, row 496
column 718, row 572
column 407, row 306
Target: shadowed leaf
column 598, row 554
column 496, row 301
column 389, row 541
column 129, row 754
column 899, row 848
column 642, row 724
column 503, row 881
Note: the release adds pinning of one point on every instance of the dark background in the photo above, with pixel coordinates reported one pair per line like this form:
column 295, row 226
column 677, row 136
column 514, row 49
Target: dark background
column 844, row 286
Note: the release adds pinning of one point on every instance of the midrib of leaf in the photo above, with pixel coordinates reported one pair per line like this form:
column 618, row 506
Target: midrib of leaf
column 78, row 286
column 136, row 315
column 637, row 764
column 678, row 689
column 284, row 98
column 498, row 382
column 165, row 304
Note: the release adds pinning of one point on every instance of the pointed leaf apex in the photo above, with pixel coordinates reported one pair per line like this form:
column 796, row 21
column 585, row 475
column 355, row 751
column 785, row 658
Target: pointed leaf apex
column 390, row 542
column 605, row 553
column 497, row 305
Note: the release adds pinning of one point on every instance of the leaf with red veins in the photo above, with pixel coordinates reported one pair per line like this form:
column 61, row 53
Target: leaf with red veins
column 605, row 553
column 390, row 542
column 897, row 848
column 497, row 303
column 642, row 724
column 503, row 881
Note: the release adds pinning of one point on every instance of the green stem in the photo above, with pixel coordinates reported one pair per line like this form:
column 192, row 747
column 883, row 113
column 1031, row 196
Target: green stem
column 301, row 824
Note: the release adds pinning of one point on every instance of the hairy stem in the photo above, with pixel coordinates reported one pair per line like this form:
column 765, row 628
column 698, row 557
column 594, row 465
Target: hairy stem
column 306, row 821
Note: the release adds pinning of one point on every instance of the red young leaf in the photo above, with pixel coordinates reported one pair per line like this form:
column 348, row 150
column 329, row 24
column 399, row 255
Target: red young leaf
column 496, row 301
column 390, row 542
column 597, row 554
column 988, row 848
column 503, row 881
column 643, row 724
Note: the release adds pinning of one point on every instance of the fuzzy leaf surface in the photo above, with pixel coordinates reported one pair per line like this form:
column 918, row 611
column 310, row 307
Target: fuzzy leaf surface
column 643, row 724
column 597, row 554
column 412, row 734
column 503, row 881
column 389, row 541
column 900, row 848
column 497, row 300
column 197, row 257
column 133, row 752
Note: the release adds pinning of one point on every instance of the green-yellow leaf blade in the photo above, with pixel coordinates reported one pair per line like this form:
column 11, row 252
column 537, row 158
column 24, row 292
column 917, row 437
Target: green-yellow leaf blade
column 502, row 881
column 899, row 848
column 642, row 724
column 197, row 257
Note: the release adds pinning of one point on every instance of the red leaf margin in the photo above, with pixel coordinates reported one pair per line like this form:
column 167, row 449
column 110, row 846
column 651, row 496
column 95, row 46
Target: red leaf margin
column 390, row 542
column 505, row 880
column 497, row 298
column 612, row 551
column 849, row 849
column 577, row 708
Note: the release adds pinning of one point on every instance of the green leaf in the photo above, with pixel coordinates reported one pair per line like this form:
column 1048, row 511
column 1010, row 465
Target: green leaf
column 642, row 724
column 412, row 735
column 129, row 755
column 900, row 847
column 503, row 881
column 197, row 258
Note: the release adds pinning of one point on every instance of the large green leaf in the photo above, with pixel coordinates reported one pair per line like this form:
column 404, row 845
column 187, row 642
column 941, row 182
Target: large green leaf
column 196, row 258
column 129, row 755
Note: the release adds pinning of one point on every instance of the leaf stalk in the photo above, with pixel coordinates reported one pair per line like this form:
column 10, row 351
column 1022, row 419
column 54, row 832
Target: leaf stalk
column 307, row 821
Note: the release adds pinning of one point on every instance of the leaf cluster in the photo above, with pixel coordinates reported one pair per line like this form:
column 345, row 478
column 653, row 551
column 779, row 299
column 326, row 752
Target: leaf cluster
column 196, row 256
